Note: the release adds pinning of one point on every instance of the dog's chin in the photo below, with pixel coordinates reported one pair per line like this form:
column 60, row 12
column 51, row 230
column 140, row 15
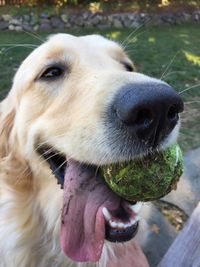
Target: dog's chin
column 91, row 212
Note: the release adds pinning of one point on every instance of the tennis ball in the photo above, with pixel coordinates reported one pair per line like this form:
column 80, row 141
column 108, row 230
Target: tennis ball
column 148, row 178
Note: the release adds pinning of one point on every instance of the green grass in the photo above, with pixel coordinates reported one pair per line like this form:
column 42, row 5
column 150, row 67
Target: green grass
column 172, row 53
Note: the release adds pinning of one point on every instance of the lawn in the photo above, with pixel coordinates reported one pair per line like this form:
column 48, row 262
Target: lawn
column 172, row 53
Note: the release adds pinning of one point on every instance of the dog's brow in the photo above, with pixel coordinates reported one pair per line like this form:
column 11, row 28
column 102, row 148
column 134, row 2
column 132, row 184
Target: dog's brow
column 119, row 54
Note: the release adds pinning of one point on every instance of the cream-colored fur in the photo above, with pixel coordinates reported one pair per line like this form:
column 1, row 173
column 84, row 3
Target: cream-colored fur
column 66, row 113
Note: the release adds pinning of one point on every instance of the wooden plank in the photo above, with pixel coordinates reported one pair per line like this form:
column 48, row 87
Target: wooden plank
column 185, row 250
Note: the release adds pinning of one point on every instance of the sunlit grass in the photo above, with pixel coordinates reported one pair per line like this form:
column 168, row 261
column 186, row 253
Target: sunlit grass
column 192, row 58
column 151, row 40
column 115, row 35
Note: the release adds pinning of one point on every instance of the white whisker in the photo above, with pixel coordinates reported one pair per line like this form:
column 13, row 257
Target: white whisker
column 171, row 73
column 48, row 142
column 188, row 88
column 33, row 34
column 63, row 163
column 126, row 40
column 191, row 102
column 168, row 66
column 11, row 46
column 18, row 45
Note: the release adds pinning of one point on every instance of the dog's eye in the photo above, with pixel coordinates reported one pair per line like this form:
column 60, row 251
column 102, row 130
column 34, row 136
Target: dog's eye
column 52, row 73
column 128, row 66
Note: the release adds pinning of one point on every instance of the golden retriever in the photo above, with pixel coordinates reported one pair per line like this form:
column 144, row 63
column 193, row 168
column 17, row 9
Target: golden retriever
column 76, row 104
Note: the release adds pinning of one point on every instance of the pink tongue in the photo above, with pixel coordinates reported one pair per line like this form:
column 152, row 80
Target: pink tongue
column 83, row 225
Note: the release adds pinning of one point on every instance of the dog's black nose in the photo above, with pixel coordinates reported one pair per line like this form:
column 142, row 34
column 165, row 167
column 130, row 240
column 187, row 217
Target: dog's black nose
column 148, row 111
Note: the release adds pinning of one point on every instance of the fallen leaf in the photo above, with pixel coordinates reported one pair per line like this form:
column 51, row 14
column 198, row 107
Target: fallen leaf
column 155, row 229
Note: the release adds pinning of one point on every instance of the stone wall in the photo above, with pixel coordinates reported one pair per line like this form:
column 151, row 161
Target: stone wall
column 43, row 21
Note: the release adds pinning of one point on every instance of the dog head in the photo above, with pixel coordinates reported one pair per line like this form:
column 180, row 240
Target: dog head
column 77, row 104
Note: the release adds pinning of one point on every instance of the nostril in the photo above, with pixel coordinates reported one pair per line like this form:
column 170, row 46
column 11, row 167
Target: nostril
column 144, row 117
column 172, row 113
column 141, row 117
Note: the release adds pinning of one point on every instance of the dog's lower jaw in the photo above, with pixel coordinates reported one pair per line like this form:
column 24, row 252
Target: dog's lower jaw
column 39, row 226
column 43, row 234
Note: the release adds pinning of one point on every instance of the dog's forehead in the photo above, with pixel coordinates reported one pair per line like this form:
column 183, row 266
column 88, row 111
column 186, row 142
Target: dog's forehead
column 92, row 41
column 89, row 50
column 62, row 46
column 89, row 46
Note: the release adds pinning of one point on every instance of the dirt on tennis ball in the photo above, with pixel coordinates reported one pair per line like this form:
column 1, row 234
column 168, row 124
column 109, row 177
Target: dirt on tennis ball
column 146, row 179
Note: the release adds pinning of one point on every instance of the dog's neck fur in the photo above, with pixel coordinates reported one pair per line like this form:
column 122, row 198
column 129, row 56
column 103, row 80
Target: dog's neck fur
column 30, row 239
column 27, row 238
column 30, row 229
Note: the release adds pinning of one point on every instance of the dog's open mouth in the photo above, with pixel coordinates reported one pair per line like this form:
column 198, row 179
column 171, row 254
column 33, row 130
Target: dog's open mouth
column 91, row 211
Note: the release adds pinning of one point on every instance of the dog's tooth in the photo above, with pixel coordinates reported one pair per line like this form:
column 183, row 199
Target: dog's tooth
column 121, row 225
column 137, row 207
column 136, row 219
column 133, row 221
column 113, row 224
column 118, row 224
column 126, row 225
column 106, row 214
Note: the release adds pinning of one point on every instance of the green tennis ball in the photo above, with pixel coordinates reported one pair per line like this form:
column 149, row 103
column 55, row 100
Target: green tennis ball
column 149, row 178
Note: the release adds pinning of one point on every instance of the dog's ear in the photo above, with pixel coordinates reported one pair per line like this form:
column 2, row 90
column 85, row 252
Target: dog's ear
column 7, row 116
column 13, row 167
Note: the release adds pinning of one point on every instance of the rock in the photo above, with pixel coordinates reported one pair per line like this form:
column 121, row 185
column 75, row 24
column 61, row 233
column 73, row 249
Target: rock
column 127, row 22
column 117, row 24
column 20, row 18
column 11, row 27
column 135, row 24
column 168, row 19
column 132, row 16
column 99, row 20
column 187, row 195
column 102, row 26
column 87, row 24
column 96, row 19
column 196, row 17
column 68, row 25
column 6, row 17
column 110, row 18
column 186, row 17
column 15, row 22
column 3, row 25
column 154, row 20
column 44, row 21
column 143, row 15
column 27, row 27
column 56, row 23
column 79, row 21
column 86, row 15
column 44, row 26
column 178, row 21
column 18, row 28
column 72, row 19
column 104, row 23
column 44, row 15
column 26, row 18
column 34, row 20
column 36, row 27
column 64, row 18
